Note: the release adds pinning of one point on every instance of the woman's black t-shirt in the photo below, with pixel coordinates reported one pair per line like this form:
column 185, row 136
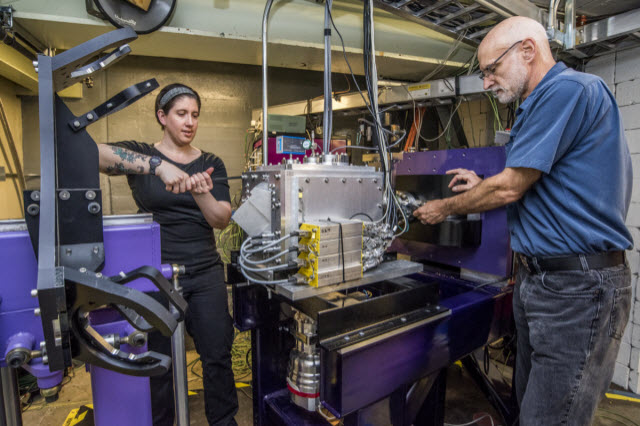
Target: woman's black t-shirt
column 186, row 237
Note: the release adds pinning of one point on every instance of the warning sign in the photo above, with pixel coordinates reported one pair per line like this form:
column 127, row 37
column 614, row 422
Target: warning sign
column 82, row 416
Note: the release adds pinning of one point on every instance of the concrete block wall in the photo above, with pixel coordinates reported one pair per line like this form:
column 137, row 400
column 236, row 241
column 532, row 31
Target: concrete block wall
column 621, row 72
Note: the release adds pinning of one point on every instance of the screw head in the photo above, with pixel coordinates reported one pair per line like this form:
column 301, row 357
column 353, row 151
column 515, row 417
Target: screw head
column 35, row 195
column 64, row 195
column 76, row 123
column 33, row 209
column 90, row 117
column 94, row 208
column 36, row 312
column 34, row 293
column 90, row 195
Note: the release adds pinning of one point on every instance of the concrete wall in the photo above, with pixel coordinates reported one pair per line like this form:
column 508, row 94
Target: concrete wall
column 228, row 91
column 621, row 72
column 10, row 198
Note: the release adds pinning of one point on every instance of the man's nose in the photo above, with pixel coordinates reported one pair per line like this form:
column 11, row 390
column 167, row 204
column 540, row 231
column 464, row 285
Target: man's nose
column 487, row 82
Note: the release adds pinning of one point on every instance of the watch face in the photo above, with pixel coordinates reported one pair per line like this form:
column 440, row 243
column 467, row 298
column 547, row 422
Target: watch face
column 155, row 161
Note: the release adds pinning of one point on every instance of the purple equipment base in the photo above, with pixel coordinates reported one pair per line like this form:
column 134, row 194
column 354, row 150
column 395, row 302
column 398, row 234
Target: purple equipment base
column 118, row 399
column 493, row 256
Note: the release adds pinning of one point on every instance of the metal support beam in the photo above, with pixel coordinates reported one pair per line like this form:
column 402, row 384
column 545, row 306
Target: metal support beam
column 605, row 29
column 17, row 68
column 508, row 8
column 418, row 93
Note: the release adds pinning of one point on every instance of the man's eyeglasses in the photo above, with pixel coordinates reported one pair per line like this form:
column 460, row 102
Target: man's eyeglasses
column 489, row 70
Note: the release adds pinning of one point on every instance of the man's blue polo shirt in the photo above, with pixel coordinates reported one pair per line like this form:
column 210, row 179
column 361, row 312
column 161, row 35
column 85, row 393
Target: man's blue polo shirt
column 569, row 128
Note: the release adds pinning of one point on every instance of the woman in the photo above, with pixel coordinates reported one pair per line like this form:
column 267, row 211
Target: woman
column 172, row 180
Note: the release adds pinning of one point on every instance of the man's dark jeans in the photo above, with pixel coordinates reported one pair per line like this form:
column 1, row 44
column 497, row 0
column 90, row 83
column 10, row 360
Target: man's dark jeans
column 569, row 326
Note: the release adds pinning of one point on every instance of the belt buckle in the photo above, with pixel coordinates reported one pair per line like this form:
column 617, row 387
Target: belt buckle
column 525, row 262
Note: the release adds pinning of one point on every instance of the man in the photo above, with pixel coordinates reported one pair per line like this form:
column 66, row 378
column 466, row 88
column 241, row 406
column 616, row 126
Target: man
column 567, row 186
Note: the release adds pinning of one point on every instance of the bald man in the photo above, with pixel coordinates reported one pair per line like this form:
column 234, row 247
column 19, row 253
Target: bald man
column 567, row 187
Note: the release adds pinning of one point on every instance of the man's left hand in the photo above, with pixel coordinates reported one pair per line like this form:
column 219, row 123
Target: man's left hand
column 431, row 212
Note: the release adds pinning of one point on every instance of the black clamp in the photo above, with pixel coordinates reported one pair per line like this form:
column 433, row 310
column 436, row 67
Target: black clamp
column 116, row 103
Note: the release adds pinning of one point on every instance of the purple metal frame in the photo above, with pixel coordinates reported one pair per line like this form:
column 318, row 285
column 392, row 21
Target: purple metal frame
column 118, row 399
column 420, row 351
column 493, row 256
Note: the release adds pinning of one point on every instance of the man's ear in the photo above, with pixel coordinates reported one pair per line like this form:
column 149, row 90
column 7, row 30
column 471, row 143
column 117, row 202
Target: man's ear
column 529, row 49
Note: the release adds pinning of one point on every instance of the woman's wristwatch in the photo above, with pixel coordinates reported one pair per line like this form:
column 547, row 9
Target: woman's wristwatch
column 154, row 162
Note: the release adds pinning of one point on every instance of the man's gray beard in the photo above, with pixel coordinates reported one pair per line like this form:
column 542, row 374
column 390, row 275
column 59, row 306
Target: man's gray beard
column 521, row 87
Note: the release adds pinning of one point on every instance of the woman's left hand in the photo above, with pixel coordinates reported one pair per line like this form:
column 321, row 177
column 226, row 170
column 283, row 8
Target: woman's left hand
column 201, row 182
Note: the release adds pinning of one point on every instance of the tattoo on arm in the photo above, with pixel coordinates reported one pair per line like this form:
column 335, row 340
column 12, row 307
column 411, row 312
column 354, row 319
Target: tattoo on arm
column 120, row 169
column 126, row 155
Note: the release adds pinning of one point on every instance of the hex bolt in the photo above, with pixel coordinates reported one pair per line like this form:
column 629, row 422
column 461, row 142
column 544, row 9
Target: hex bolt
column 64, row 195
column 36, row 312
column 35, row 195
column 90, row 117
column 34, row 293
column 33, row 209
column 277, row 176
column 76, row 123
column 94, row 208
column 90, row 195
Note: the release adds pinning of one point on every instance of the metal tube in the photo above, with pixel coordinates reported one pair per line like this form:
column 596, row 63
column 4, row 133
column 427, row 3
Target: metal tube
column 179, row 358
column 10, row 396
column 327, row 123
column 553, row 10
column 265, row 128
column 569, row 24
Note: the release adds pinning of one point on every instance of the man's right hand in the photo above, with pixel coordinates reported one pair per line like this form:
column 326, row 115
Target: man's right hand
column 465, row 179
column 175, row 180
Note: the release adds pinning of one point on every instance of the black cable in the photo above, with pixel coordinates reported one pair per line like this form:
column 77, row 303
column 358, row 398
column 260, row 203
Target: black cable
column 362, row 214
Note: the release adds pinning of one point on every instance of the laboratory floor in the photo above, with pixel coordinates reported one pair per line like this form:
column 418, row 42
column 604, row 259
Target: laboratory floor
column 464, row 402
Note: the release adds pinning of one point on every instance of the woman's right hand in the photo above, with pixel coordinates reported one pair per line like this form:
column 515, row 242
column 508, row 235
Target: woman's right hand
column 175, row 180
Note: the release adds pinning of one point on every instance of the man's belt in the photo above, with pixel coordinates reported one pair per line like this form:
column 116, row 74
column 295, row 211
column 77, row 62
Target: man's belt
column 570, row 263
